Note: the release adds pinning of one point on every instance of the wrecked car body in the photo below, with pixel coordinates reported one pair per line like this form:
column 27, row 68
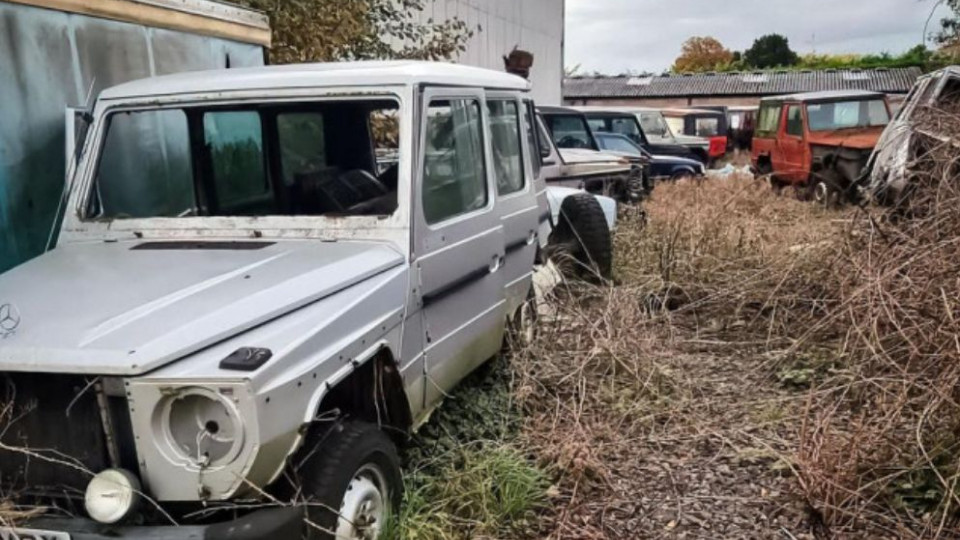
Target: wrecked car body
column 265, row 278
column 910, row 134
column 572, row 158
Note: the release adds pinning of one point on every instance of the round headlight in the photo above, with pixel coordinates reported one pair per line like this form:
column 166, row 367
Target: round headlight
column 204, row 427
column 112, row 496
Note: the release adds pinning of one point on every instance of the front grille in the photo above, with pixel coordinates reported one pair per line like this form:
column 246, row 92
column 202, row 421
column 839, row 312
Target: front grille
column 51, row 433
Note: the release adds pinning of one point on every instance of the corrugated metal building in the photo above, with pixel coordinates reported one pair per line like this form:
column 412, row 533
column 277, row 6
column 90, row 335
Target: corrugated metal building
column 739, row 88
column 56, row 53
column 500, row 25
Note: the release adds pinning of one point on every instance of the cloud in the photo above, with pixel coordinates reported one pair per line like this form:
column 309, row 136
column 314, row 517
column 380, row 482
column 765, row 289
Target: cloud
column 614, row 36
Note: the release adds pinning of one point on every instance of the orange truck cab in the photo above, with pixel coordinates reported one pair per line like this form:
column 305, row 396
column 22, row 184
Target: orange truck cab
column 818, row 142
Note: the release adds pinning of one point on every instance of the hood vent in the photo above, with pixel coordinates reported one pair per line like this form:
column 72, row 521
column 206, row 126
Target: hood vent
column 201, row 246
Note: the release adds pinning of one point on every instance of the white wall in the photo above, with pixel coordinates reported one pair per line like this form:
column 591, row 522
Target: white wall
column 533, row 25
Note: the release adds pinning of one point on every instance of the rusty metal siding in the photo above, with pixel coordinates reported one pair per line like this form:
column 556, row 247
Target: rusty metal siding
column 48, row 61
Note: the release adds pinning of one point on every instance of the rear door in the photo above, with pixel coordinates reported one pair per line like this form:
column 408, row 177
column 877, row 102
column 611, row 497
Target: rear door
column 792, row 145
column 516, row 200
column 459, row 245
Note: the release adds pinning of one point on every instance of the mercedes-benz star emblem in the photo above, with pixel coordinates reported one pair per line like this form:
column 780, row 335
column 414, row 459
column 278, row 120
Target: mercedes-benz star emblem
column 9, row 318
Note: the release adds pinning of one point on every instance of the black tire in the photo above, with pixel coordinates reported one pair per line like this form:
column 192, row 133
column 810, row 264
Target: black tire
column 337, row 463
column 826, row 189
column 583, row 235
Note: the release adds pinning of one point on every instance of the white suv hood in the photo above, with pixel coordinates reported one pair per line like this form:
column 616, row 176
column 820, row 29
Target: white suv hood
column 108, row 309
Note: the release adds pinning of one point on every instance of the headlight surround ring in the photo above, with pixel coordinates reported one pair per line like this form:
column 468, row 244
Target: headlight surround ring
column 200, row 427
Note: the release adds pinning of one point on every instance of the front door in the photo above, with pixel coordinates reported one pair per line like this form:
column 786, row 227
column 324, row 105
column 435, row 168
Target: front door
column 459, row 245
column 792, row 145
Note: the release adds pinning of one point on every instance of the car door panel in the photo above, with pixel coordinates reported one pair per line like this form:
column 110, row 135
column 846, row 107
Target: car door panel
column 792, row 144
column 516, row 201
column 459, row 257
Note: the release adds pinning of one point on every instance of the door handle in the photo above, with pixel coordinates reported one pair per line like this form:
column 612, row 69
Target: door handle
column 496, row 264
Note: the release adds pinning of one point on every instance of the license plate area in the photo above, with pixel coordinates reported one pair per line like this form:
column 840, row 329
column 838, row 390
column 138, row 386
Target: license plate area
column 31, row 534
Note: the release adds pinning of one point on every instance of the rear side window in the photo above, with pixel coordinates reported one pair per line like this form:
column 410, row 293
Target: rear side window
column 769, row 121
column 506, row 136
column 794, row 121
column 707, row 127
column 454, row 175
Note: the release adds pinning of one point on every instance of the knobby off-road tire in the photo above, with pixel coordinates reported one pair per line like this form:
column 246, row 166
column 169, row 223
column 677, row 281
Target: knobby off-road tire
column 583, row 237
column 352, row 482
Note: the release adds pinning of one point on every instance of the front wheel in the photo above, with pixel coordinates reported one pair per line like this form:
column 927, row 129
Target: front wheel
column 351, row 479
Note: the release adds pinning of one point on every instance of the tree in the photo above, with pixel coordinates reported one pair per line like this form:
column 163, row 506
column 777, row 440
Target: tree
column 329, row 30
column 949, row 35
column 702, row 54
column 769, row 51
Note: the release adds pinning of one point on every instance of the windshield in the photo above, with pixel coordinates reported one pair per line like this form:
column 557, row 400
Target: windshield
column 654, row 125
column 847, row 114
column 615, row 143
column 311, row 159
column 569, row 131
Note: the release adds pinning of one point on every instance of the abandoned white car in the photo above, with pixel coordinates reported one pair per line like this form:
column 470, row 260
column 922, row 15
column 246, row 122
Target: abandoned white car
column 264, row 279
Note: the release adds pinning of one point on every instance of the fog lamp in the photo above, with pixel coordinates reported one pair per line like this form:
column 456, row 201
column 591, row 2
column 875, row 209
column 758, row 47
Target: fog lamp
column 112, row 496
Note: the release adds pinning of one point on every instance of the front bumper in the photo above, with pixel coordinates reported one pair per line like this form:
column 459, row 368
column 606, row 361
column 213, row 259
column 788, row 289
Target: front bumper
column 271, row 524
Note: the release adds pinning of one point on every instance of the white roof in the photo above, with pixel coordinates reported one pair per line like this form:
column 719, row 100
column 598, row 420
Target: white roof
column 338, row 74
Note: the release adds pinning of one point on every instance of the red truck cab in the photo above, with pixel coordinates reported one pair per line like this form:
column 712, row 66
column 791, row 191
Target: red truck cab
column 818, row 140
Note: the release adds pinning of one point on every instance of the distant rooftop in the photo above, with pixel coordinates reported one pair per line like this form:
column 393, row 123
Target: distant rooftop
column 749, row 83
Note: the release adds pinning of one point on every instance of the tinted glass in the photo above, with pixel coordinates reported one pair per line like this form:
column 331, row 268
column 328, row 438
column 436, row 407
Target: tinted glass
column 847, row 114
column 708, row 127
column 794, row 121
column 234, row 141
column 302, row 147
column 569, row 131
column 530, row 122
column 618, row 144
column 284, row 159
column 505, row 139
column 454, row 176
column 654, row 125
column 145, row 167
column 626, row 126
column 769, row 119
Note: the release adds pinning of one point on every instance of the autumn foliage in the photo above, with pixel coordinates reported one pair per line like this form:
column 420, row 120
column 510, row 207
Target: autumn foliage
column 331, row 30
column 702, row 54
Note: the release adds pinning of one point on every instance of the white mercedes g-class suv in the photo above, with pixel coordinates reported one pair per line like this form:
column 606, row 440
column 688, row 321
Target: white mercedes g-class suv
column 264, row 279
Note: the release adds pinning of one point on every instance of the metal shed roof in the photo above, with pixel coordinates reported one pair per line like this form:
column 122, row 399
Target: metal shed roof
column 758, row 83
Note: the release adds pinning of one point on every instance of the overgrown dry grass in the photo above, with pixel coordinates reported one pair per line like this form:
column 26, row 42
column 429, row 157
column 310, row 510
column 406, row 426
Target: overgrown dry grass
column 881, row 444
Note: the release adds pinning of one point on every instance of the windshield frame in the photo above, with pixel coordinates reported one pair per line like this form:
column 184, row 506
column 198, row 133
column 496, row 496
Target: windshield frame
column 810, row 127
column 77, row 228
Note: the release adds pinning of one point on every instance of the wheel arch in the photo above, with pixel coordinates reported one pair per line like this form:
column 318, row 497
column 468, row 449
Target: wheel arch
column 370, row 390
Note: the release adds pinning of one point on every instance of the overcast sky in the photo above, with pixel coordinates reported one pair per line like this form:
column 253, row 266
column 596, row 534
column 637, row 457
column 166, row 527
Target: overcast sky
column 615, row 36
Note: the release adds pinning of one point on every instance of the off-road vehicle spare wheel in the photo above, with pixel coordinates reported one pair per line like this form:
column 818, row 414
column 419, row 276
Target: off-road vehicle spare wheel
column 582, row 243
column 350, row 476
